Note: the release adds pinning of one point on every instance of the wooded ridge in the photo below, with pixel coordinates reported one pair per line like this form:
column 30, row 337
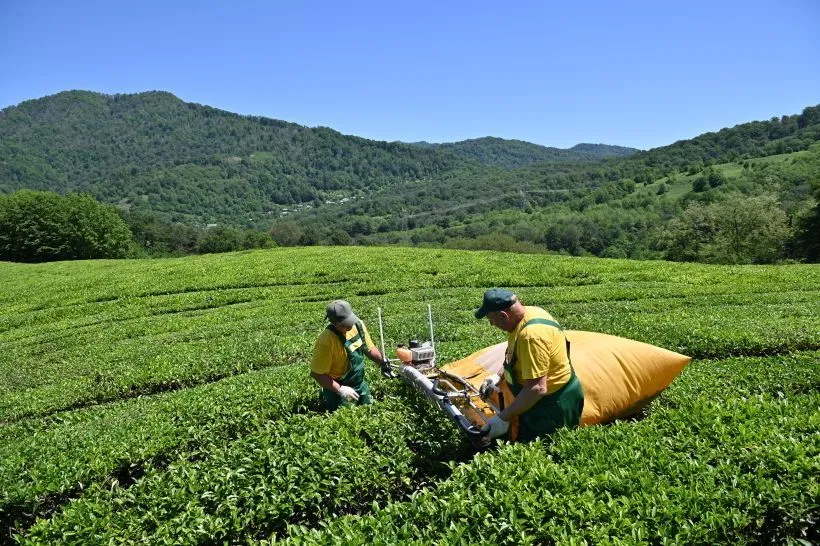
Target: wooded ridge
column 161, row 160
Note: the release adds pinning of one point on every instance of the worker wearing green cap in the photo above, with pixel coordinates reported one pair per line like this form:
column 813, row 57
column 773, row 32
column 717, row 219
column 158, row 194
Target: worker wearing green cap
column 338, row 357
column 537, row 369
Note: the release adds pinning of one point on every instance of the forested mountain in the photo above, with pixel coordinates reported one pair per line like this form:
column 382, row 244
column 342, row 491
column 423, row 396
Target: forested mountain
column 510, row 154
column 672, row 202
column 163, row 160
column 755, row 139
column 152, row 151
column 156, row 152
column 603, row 151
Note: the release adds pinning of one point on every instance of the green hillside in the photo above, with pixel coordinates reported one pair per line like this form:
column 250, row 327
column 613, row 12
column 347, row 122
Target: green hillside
column 168, row 401
column 174, row 168
column 603, row 150
column 616, row 209
column 510, row 154
column 637, row 207
column 155, row 152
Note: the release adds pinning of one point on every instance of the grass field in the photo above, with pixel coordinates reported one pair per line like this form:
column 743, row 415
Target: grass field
column 168, row 401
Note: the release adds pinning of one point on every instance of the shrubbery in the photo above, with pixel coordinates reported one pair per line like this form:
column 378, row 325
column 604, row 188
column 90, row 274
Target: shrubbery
column 40, row 226
column 160, row 237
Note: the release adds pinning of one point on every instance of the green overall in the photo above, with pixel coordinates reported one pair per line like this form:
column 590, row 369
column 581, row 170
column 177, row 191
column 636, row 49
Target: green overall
column 561, row 408
column 354, row 377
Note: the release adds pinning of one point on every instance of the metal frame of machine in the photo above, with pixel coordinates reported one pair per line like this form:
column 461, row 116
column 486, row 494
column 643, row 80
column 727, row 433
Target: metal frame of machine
column 453, row 394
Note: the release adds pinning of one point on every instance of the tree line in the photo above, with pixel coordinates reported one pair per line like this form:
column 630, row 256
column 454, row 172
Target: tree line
column 752, row 211
column 41, row 226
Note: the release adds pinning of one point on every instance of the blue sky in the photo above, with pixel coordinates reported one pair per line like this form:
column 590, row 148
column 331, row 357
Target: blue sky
column 633, row 73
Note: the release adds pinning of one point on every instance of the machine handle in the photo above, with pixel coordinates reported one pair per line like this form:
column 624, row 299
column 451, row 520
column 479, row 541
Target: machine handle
column 470, row 428
column 438, row 390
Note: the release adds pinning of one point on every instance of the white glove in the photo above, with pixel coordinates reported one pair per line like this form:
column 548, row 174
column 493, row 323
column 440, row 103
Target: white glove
column 496, row 427
column 489, row 384
column 348, row 393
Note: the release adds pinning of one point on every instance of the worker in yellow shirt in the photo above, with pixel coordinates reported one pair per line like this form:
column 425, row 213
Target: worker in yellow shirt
column 338, row 358
column 537, row 369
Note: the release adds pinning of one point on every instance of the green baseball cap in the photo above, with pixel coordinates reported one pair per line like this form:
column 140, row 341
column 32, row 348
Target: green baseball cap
column 340, row 311
column 495, row 299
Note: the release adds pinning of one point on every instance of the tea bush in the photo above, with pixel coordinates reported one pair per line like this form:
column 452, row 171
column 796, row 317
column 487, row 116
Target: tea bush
column 169, row 401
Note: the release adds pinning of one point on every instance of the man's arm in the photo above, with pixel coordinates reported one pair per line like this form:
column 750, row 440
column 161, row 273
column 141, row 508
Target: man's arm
column 371, row 351
column 348, row 393
column 532, row 390
column 326, row 381
column 375, row 355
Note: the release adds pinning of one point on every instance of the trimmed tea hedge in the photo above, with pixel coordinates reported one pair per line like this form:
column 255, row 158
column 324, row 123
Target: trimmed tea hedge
column 133, row 392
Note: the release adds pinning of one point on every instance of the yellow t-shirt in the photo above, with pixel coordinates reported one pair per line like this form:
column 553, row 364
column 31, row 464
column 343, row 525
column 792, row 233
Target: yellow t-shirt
column 329, row 355
column 540, row 350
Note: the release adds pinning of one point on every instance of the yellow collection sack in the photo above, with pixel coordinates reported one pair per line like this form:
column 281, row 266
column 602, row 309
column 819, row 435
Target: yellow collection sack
column 619, row 376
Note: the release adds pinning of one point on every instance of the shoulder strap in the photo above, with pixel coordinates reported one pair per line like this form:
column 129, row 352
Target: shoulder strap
column 337, row 334
column 342, row 339
column 542, row 321
column 546, row 322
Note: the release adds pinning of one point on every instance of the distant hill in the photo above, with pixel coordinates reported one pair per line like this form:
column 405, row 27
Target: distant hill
column 154, row 154
column 510, row 154
column 744, row 141
column 624, row 207
column 194, row 162
column 541, row 184
column 603, row 150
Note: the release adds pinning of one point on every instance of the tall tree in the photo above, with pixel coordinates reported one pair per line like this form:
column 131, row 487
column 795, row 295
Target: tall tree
column 738, row 229
column 808, row 229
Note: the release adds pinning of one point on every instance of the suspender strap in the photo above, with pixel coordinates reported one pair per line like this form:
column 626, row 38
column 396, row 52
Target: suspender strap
column 542, row 321
column 347, row 342
column 548, row 323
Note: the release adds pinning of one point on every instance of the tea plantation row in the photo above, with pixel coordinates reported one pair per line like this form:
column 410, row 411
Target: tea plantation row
column 134, row 392
column 729, row 455
column 735, row 439
column 76, row 334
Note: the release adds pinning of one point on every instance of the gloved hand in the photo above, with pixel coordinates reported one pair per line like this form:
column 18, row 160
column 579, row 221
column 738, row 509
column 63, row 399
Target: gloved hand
column 496, row 427
column 488, row 385
column 387, row 371
column 348, row 393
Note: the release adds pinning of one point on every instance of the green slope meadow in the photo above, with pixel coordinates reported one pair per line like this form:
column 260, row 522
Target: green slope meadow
column 168, row 401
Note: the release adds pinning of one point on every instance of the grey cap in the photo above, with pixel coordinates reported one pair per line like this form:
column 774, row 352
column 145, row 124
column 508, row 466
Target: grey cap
column 339, row 311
